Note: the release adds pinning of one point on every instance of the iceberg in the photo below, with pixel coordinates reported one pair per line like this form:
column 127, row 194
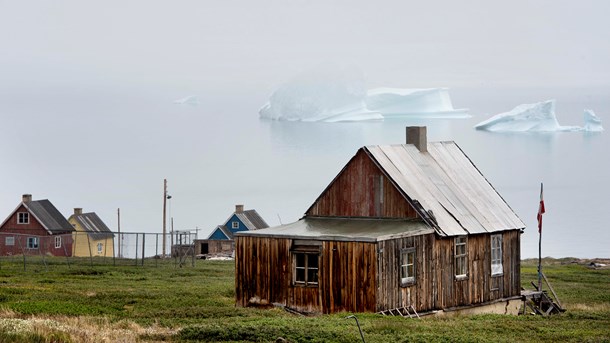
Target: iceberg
column 189, row 100
column 339, row 95
column 592, row 122
column 402, row 102
column 538, row 117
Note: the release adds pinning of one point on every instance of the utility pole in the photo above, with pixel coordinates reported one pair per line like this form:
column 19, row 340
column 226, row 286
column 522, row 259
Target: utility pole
column 164, row 215
column 118, row 215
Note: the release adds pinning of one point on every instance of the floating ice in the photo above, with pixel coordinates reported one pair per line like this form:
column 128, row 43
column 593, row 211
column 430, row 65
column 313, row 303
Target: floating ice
column 340, row 95
column 189, row 100
column 592, row 122
column 538, row 117
column 402, row 102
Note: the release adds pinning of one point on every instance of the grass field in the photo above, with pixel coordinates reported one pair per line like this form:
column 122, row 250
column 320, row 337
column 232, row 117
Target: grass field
column 81, row 303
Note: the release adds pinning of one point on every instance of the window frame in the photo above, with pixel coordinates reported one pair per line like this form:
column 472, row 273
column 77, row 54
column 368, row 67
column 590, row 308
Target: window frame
column 57, row 242
column 33, row 243
column 307, row 249
column 497, row 257
column 9, row 241
column 235, row 224
column 460, row 259
column 100, row 247
column 406, row 279
column 23, row 218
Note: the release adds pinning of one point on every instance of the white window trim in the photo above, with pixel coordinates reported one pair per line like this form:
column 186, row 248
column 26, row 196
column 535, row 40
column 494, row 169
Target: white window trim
column 235, row 225
column 496, row 255
column 405, row 278
column 9, row 241
column 100, row 248
column 35, row 241
column 57, row 242
column 26, row 215
column 464, row 257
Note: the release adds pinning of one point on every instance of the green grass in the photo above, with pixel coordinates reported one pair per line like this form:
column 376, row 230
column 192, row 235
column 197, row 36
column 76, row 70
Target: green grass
column 190, row 304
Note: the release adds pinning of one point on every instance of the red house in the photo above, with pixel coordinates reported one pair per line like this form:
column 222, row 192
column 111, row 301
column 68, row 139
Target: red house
column 35, row 228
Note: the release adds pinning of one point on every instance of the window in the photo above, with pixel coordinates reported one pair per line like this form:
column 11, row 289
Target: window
column 496, row 255
column 407, row 266
column 100, row 246
column 235, row 225
column 9, row 241
column 32, row 242
column 305, row 262
column 23, row 218
column 57, row 242
column 305, row 268
column 461, row 265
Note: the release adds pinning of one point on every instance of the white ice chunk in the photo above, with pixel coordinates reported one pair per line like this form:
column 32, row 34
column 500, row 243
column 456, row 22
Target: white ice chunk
column 318, row 95
column 404, row 102
column 538, row 117
column 592, row 122
column 334, row 95
column 189, row 100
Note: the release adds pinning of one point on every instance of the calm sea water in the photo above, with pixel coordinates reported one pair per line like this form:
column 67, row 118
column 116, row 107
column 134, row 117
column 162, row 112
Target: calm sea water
column 103, row 150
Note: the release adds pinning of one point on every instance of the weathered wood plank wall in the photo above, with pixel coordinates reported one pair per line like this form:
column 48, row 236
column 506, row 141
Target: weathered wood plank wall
column 436, row 286
column 347, row 275
column 357, row 192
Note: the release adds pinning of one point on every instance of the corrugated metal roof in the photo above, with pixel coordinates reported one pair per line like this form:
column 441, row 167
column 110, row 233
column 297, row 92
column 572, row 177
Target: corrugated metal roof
column 48, row 215
column 252, row 220
column 93, row 225
column 344, row 229
column 446, row 183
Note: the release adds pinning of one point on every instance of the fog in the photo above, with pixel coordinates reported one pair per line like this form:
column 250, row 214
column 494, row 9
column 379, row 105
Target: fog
column 258, row 44
column 87, row 92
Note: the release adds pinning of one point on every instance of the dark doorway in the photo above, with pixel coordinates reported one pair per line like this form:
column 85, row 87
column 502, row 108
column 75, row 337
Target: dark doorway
column 204, row 248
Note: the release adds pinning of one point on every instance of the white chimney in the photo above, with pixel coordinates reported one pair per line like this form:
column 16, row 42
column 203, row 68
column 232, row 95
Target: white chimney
column 416, row 135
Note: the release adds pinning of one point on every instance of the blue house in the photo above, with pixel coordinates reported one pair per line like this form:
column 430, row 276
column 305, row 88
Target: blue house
column 220, row 241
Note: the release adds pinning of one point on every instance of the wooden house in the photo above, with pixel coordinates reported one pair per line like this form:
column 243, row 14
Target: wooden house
column 91, row 236
column 220, row 241
column 411, row 225
column 36, row 227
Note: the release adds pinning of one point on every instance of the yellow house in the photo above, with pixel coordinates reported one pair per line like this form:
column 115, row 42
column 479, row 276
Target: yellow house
column 91, row 236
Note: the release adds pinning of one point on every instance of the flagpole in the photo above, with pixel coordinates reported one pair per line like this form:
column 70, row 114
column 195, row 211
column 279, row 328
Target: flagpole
column 540, row 262
column 540, row 211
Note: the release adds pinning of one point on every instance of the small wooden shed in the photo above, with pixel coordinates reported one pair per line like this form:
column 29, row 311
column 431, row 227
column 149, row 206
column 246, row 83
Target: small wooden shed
column 411, row 225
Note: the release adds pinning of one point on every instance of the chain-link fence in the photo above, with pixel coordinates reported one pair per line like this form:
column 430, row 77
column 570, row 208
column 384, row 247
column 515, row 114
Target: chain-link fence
column 99, row 248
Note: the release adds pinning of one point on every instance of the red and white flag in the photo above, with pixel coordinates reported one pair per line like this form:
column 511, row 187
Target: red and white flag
column 540, row 211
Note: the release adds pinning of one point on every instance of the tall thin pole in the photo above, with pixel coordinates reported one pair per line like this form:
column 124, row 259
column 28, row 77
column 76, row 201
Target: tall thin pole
column 541, row 210
column 172, row 229
column 540, row 261
column 164, row 216
column 118, row 218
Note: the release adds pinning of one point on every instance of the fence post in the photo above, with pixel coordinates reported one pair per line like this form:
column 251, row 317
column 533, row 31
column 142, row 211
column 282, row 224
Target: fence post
column 66, row 251
column 156, row 249
column 143, row 245
column 90, row 253
column 22, row 251
column 44, row 261
column 114, row 251
column 136, row 249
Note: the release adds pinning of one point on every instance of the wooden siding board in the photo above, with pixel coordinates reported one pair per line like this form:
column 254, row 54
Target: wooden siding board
column 352, row 194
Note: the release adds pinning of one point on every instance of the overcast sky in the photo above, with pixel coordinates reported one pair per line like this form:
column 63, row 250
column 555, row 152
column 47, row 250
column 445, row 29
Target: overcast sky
column 248, row 44
column 86, row 90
